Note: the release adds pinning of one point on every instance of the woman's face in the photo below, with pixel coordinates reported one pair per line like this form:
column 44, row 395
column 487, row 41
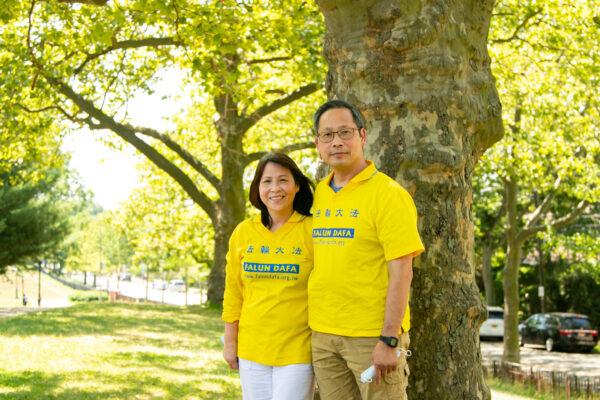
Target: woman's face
column 277, row 188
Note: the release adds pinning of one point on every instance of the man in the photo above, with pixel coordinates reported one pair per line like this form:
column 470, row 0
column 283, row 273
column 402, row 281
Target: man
column 365, row 237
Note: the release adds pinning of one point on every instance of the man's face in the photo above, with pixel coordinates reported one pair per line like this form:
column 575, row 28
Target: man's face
column 340, row 154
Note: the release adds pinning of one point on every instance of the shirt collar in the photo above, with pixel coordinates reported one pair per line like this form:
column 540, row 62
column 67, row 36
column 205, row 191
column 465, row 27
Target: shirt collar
column 363, row 175
column 366, row 173
column 296, row 217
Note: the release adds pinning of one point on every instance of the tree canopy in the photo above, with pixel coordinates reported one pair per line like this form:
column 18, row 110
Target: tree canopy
column 243, row 65
column 545, row 172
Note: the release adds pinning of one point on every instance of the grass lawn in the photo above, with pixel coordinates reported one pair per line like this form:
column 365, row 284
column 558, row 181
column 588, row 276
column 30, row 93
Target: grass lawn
column 115, row 351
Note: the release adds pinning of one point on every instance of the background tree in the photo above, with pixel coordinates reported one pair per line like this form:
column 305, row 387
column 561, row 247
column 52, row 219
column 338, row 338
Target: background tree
column 101, row 246
column 164, row 225
column 245, row 62
column 421, row 74
column 34, row 183
column 546, row 168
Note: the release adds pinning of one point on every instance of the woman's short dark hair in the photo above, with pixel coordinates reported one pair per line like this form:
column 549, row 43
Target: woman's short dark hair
column 304, row 198
column 358, row 118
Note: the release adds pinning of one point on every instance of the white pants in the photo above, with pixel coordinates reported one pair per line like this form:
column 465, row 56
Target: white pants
column 288, row 382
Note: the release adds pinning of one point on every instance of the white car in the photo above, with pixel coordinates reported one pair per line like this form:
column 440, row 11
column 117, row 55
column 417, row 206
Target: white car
column 177, row 285
column 493, row 327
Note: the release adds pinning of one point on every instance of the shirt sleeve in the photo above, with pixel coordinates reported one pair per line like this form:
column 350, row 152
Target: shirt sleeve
column 233, row 298
column 397, row 223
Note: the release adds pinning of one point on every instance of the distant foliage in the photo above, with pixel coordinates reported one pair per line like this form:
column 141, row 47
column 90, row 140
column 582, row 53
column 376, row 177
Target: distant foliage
column 88, row 296
column 31, row 224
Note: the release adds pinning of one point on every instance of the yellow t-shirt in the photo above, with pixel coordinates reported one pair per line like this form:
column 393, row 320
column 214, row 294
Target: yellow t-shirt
column 266, row 290
column 368, row 222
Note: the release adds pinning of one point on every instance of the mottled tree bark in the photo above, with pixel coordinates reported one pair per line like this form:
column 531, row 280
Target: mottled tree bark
column 420, row 72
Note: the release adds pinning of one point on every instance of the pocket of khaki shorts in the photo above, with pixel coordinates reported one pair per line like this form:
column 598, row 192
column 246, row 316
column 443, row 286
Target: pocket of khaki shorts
column 393, row 378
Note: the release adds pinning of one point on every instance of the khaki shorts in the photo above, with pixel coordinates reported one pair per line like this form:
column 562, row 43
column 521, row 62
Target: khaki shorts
column 339, row 360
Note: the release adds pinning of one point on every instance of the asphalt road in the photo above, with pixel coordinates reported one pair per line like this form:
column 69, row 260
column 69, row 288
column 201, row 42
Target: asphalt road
column 539, row 358
column 136, row 288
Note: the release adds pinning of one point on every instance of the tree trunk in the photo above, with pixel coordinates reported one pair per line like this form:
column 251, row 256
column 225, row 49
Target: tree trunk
column 230, row 212
column 541, row 267
column 486, row 272
column 420, row 73
column 511, row 276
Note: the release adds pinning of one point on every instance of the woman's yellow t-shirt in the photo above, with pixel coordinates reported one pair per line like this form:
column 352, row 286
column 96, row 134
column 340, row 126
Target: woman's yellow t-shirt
column 266, row 290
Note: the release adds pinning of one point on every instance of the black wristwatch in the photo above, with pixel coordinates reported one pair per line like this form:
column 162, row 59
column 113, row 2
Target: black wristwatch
column 389, row 340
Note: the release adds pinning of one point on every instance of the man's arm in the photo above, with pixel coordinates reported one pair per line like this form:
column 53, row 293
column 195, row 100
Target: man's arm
column 399, row 279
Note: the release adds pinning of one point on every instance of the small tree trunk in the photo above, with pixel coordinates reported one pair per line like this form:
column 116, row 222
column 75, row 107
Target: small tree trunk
column 541, row 267
column 163, row 287
column 511, row 276
column 488, row 278
column 186, row 285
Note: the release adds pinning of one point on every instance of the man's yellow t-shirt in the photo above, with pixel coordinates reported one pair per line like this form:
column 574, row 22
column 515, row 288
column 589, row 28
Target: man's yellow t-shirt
column 266, row 290
column 355, row 232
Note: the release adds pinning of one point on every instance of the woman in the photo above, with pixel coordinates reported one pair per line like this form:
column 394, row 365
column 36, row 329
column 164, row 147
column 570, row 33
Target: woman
column 265, row 306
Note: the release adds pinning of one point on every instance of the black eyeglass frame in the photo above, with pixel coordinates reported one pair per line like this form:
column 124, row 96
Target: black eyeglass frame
column 338, row 132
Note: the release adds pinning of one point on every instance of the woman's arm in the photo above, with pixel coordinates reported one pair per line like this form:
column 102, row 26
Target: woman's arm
column 231, row 342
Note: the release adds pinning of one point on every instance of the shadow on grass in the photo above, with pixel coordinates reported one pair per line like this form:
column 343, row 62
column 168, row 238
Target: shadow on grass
column 35, row 385
column 22, row 385
column 175, row 369
column 107, row 319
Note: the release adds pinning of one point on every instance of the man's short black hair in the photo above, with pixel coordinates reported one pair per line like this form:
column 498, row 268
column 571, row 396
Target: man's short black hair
column 358, row 118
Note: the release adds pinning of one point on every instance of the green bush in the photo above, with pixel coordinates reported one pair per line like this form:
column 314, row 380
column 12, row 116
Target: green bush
column 87, row 296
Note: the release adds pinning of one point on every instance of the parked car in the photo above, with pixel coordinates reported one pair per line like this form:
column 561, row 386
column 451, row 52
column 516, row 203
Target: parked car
column 493, row 327
column 554, row 331
column 125, row 276
column 177, row 285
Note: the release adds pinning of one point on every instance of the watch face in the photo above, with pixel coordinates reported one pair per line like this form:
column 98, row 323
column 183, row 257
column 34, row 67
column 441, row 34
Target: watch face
column 389, row 340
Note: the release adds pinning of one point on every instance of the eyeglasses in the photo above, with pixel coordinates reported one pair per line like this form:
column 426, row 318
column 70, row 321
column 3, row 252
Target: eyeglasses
column 343, row 133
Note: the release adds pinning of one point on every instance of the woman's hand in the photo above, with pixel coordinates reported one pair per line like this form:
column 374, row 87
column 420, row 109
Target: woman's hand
column 230, row 344
column 230, row 355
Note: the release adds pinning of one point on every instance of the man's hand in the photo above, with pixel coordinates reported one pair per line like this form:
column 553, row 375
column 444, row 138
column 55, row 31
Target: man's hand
column 230, row 355
column 385, row 360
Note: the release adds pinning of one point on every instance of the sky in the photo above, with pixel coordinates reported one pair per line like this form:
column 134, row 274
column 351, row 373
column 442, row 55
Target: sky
column 109, row 173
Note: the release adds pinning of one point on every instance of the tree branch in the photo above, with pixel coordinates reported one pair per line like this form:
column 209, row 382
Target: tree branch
column 128, row 134
column 543, row 207
column 249, row 121
column 48, row 108
column 128, row 44
column 557, row 224
column 285, row 149
column 181, row 152
column 268, row 60
column 90, row 2
column 570, row 217
column 520, row 27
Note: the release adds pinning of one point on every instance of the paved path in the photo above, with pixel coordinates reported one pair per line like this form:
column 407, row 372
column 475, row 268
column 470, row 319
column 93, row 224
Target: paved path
column 505, row 396
column 539, row 358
